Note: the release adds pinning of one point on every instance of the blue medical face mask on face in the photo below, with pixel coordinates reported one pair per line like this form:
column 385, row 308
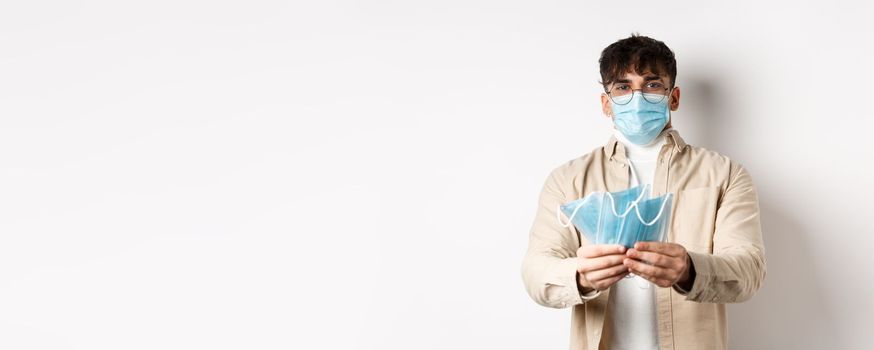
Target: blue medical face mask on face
column 623, row 217
column 639, row 120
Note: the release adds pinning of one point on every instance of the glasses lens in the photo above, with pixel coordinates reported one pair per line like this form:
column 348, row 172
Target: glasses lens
column 621, row 95
column 653, row 97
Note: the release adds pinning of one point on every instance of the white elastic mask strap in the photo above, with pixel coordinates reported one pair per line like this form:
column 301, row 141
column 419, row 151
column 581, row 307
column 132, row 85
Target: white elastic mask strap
column 640, row 197
column 570, row 218
column 668, row 198
column 643, row 193
column 633, row 173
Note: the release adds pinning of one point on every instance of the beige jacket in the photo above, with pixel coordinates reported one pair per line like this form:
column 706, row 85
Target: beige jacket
column 715, row 217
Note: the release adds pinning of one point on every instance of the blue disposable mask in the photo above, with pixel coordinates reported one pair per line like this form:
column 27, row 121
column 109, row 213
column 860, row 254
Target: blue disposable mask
column 623, row 217
column 639, row 120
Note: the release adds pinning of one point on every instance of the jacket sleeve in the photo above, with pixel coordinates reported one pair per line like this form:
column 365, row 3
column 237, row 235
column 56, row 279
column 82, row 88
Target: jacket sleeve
column 736, row 268
column 549, row 269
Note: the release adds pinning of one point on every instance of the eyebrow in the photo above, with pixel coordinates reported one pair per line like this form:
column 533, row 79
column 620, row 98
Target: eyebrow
column 646, row 78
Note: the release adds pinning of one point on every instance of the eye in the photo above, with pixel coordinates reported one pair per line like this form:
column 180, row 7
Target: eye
column 621, row 87
column 654, row 85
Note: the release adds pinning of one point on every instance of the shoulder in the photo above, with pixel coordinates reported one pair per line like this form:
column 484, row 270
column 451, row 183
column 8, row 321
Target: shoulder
column 709, row 161
column 701, row 154
column 571, row 170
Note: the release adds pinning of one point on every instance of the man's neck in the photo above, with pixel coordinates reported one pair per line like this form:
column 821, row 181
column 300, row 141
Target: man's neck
column 649, row 152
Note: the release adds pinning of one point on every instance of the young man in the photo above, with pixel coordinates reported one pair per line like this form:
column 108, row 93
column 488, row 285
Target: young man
column 675, row 293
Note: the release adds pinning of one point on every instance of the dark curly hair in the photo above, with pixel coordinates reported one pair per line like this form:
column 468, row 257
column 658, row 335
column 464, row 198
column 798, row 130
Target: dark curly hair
column 636, row 54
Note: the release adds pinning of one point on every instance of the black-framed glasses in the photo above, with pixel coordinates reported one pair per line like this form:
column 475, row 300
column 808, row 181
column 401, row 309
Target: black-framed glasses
column 652, row 92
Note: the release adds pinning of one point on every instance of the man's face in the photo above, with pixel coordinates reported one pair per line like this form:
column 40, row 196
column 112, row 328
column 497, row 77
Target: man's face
column 633, row 81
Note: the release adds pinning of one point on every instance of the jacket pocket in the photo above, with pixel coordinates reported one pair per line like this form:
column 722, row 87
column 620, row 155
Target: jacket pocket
column 694, row 218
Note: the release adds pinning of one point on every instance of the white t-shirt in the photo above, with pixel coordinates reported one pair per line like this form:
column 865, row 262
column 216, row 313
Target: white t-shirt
column 632, row 303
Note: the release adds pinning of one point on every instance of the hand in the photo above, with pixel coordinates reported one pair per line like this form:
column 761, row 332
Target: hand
column 661, row 263
column 600, row 266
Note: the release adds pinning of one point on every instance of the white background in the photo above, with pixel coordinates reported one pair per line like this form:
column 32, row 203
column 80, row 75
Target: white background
column 341, row 174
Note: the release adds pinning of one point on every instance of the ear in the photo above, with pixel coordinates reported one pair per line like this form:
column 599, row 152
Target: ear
column 675, row 98
column 605, row 105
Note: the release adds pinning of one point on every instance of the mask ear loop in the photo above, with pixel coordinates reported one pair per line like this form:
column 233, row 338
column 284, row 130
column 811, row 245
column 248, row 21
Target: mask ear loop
column 643, row 193
column 570, row 219
column 634, row 204
column 643, row 284
column 640, row 197
column 633, row 173
column 558, row 214
column 600, row 228
column 668, row 198
column 558, row 211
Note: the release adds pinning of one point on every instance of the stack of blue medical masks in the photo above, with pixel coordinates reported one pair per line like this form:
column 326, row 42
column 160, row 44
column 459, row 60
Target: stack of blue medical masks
column 623, row 217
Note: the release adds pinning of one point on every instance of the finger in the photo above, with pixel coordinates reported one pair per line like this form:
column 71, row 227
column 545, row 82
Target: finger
column 596, row 250
column 671, row 249
column 653, row 279
column 584, row 281
column 655, row 272
column 657, row 281
column 592, row 264
column 604, row 284
column 651, row 258
column 599, row 275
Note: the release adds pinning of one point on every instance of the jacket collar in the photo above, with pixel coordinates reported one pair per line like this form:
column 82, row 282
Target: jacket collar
column 616, row 148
